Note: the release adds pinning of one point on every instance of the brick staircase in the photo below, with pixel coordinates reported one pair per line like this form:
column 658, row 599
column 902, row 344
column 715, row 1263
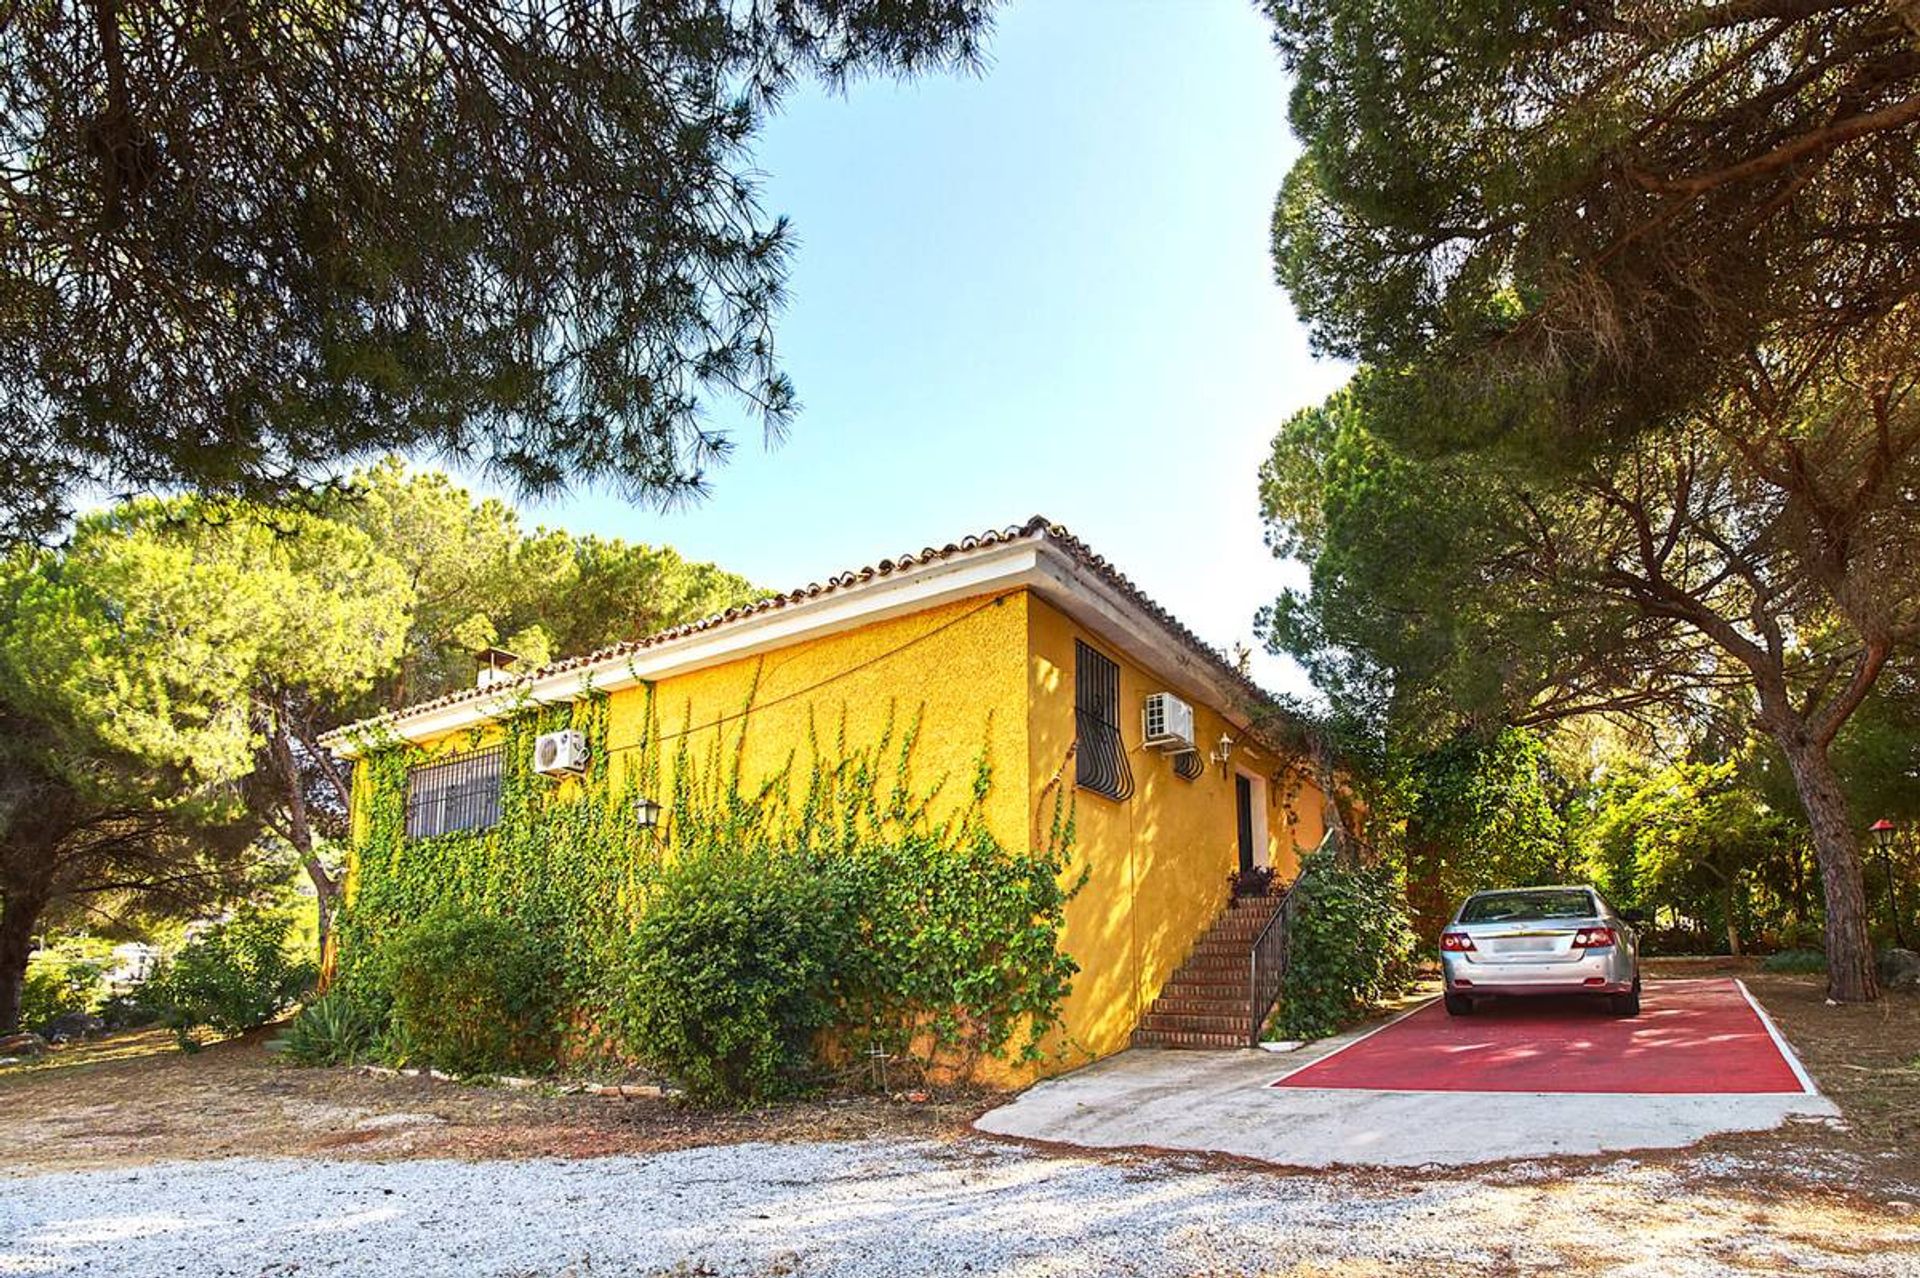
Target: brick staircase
column 1205, row 1002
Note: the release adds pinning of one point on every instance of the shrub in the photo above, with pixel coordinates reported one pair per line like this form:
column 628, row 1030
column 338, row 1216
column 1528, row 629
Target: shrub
column 1795, row 961
column 130, row 1010
column 334, row 1029
column 234, row 977
column 730, row 973
column 1254, row 881
column 1351, row 944
column 63, row 979
column 472, row 993
column 956, row 945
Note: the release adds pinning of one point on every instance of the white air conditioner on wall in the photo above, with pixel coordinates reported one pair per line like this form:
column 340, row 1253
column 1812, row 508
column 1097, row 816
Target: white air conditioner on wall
column 1166, row 723
column 560, row 754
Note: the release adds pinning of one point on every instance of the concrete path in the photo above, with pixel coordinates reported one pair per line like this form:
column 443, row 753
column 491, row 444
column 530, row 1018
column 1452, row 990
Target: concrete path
column 1219, row 1102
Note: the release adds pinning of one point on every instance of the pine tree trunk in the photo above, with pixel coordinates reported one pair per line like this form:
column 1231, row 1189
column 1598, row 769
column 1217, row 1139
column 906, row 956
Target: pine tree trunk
column 18, row 916
column 300, row 830
column 1850, row 976
column 1728, row 908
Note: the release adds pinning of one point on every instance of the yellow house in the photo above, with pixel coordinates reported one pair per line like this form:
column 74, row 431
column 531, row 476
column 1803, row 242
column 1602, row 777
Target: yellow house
column 1023, row 643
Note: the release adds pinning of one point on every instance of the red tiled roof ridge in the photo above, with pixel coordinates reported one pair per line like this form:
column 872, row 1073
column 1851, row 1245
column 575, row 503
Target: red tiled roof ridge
column 1037, row 527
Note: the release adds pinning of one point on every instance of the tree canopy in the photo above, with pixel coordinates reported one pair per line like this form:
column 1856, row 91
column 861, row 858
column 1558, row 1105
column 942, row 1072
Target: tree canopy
column 166, row 675
column 241, row 244
column 1636, row 426
column 1577, row 218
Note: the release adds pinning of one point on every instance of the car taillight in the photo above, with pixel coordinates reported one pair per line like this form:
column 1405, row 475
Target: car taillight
column 1456, row 942
column 1593, row 938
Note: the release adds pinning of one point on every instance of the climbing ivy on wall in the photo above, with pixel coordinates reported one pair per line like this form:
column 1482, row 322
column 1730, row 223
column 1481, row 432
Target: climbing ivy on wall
column 959, row 935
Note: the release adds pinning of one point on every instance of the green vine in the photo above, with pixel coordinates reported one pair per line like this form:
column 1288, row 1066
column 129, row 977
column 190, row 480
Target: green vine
column 959, row 951
column 1350, row 945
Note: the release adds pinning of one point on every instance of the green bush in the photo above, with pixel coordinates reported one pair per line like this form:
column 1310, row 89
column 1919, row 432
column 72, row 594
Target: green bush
column 1351, row 945
column 234, row 977
column 730, row 973
column 1795, row 961
column 130, row 1010
column 62, row 979
column 334, row 1029
column 958, row 942
column 472, row 993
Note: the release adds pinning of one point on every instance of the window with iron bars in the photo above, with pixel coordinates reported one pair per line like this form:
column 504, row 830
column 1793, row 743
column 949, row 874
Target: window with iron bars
column 1100, row 764
column 460, row 794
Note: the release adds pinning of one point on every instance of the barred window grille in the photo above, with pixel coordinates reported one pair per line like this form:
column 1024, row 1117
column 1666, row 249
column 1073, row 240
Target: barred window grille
column 1101, row 761
column 1187, row 765
column 460, row 794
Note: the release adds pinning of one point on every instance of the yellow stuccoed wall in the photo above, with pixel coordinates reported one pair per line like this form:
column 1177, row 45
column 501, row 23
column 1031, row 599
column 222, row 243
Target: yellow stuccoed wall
column 1158, row 862
column 996, row 672
column 958, row 667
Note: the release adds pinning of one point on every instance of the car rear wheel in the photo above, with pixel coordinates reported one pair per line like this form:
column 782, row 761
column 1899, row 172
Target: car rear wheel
column 1458, row 1005
column 1627, row 1004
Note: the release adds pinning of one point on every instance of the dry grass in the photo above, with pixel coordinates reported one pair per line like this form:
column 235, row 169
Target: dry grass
column 1865, row 1057
column 136, row 1098
column 1804, row 1199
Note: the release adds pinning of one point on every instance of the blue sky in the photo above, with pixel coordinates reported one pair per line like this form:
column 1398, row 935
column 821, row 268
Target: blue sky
column 1043, row 289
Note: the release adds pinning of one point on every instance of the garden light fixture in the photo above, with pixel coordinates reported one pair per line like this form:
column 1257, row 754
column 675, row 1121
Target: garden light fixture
column 1884, row 832
column 646, row 814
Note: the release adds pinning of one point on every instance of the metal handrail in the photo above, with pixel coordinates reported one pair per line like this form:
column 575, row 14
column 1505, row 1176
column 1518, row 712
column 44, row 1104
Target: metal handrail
column 1268, row 961
column 1269, row 964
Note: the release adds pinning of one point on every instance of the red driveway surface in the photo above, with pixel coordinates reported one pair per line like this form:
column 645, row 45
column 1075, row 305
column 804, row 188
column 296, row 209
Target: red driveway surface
column 1693, row 1036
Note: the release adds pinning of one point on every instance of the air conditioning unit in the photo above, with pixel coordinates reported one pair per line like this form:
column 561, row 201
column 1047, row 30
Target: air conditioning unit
column 1167, row 723
column 560, row 754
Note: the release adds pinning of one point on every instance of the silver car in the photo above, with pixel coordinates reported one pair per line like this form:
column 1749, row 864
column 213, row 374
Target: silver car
column 1540, row 940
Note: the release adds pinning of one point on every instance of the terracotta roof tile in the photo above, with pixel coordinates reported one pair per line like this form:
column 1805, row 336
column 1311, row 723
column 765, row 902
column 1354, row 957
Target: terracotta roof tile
column 1037, row 527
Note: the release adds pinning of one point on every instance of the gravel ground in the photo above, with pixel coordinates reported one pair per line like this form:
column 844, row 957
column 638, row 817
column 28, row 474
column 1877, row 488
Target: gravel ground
column 931, row 1207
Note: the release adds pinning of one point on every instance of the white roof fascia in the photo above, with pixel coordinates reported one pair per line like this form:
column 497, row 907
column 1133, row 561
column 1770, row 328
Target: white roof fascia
column 1003, row 566
column 1032, row 563
column 1092, row 600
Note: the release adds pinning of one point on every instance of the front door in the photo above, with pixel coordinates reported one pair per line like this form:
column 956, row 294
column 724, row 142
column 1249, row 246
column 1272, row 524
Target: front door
column 1243, row 811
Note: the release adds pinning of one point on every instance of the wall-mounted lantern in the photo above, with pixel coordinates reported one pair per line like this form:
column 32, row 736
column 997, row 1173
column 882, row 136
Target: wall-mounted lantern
column 646, row 814
column 1223, row 751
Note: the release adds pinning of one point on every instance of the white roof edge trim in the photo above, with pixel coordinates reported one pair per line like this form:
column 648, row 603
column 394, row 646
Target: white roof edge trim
column 1004, row 565
column 1032, row 563
column 1089, row 598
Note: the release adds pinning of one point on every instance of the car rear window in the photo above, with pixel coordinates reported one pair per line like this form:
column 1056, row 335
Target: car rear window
column 1497, row 907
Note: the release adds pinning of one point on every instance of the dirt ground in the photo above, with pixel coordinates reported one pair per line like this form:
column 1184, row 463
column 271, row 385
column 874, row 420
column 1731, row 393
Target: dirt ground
column 1865, row 1057
column 136, row 1099
column 1811, row 1197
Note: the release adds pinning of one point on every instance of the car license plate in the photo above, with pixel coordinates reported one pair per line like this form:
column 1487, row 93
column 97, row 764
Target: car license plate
column 1527, row 945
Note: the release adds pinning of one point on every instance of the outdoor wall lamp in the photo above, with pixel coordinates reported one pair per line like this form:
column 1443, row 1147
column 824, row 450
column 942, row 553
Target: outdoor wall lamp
column 646, row 814
column 1223, row 751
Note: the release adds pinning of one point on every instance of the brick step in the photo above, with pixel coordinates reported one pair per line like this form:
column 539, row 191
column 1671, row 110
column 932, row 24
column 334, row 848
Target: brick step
column 1211, row 963
column 1180, row 1021
column 1237, row 931
column 1199, row 1008
column 1186, row 1038
column 1183, row 986
column 1216, row 943
column 1224, row 945
column 1252, row 921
